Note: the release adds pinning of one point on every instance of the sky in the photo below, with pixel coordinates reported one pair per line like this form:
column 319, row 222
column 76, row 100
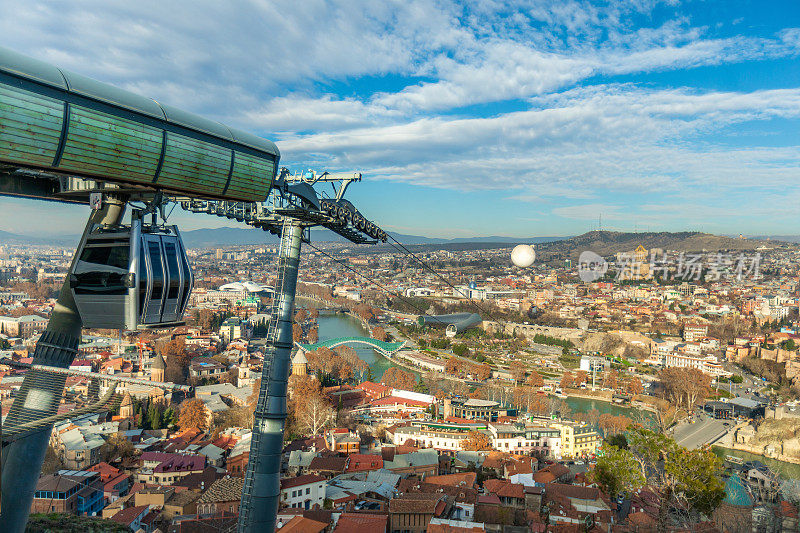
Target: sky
column 529, row 118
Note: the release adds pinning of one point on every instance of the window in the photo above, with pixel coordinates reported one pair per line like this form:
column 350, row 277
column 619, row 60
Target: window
column 157, row 269
column 308, row 490
column 172, row 265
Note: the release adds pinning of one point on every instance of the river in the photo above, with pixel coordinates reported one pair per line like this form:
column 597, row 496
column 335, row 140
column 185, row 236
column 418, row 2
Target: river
column 336, row 325
column 584, row 405
column 332, row 326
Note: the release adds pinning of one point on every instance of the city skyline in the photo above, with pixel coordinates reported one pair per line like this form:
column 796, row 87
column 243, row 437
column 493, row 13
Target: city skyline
column 531, row 120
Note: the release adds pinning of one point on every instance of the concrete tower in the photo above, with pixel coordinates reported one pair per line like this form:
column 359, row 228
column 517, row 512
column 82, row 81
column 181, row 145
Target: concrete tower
column 157, row 368
column 243, row 375
column 299, row 364
column 126, row 407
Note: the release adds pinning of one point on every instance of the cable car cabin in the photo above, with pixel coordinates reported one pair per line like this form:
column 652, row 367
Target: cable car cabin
column 131, row 278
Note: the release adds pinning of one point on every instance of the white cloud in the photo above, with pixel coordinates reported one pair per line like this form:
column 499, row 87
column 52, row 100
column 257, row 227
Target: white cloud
column 385, row 87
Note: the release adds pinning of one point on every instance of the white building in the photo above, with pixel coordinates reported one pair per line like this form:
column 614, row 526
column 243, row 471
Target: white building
column 707, row 364
column 303, row 492
column 596, row 363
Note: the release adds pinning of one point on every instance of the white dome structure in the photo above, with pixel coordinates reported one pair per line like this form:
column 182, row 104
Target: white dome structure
column 523, row 255
column 249, row 286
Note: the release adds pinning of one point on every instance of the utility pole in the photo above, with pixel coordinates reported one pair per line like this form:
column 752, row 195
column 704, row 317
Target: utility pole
column 40, row 393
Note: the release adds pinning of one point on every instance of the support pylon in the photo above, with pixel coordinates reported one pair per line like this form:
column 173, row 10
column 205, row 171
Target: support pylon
column 40, row 393
column 258, row 511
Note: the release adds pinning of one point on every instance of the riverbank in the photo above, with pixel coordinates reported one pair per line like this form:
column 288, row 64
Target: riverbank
column 760, row 451
column 364, row 323
column 786, row 469
column 332, row 326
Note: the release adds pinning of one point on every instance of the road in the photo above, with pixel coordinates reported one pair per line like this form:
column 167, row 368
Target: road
column 705, row 430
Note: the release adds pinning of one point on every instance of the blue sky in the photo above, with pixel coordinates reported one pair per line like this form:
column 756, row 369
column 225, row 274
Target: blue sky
column 528, row 118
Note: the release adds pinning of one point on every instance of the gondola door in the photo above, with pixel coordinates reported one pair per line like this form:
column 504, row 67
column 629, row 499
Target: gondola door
column 172, row 278
column 155, row 282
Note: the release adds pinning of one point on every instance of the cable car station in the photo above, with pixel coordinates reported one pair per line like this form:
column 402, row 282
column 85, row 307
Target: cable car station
column 67, row 138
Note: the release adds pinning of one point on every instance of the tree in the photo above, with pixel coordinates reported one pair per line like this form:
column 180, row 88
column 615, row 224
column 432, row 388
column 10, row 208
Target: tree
column 482, row 372
column 460, row 350
column 635, row 386
column 192, row 415
column 313, row 335
column 567, row 380
column 612, row 425
column 686, row 482
column 52, row 462
column 239, row 417
column 614, row 474
column 379, row 333
column 476, row 441
column 315, row 415
column 297, row 332
column 203, row 318
column 526, row 398
column 665, row 416
column 398, row 378
column 517, row 371
column 116, row 446
column 360, row 369
column 610, row 380
column 535, row 379
column 322, row 360
column 684, row 386
column 453, row 366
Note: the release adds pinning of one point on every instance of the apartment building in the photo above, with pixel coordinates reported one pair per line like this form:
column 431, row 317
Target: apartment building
column 70, row 492
column 303, row 492
column 577, row 440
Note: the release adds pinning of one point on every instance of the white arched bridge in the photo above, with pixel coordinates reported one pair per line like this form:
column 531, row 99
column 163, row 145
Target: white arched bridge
column 382, row 347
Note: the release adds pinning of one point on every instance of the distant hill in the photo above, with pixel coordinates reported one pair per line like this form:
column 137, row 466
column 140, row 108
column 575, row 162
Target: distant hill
column 201, row 238
column 245, row 236
column 14, row 238
column 781, row 238
column 602, row 242
column 611, row 242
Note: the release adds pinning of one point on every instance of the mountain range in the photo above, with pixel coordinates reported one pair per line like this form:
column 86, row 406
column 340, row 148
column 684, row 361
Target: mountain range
column 608, row 243
column 217, row 237
column 602, row 242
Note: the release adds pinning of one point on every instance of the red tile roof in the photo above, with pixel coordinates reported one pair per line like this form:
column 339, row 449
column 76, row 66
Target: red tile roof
column 361, row 523
column 396, row 400
column 287, row 483
column 298, row 524
column 127, row 516
column 453, row 480
column 358, row 462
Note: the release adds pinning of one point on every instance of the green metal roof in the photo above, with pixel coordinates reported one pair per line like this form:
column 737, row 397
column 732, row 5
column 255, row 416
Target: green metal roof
column 736, row 493
column 381, row 346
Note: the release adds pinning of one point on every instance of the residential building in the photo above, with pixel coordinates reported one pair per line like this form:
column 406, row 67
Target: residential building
column 23, row 326
column 224, row 495
column 342, row 440
column 577, row 440
column 305, row 492
column 70, row 492
column 412, row 512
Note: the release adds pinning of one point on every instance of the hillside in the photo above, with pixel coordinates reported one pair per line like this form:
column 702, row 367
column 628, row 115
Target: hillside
column 608, row 243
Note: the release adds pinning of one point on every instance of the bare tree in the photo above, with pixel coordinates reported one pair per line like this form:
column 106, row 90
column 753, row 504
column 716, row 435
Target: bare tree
column 316, row 415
